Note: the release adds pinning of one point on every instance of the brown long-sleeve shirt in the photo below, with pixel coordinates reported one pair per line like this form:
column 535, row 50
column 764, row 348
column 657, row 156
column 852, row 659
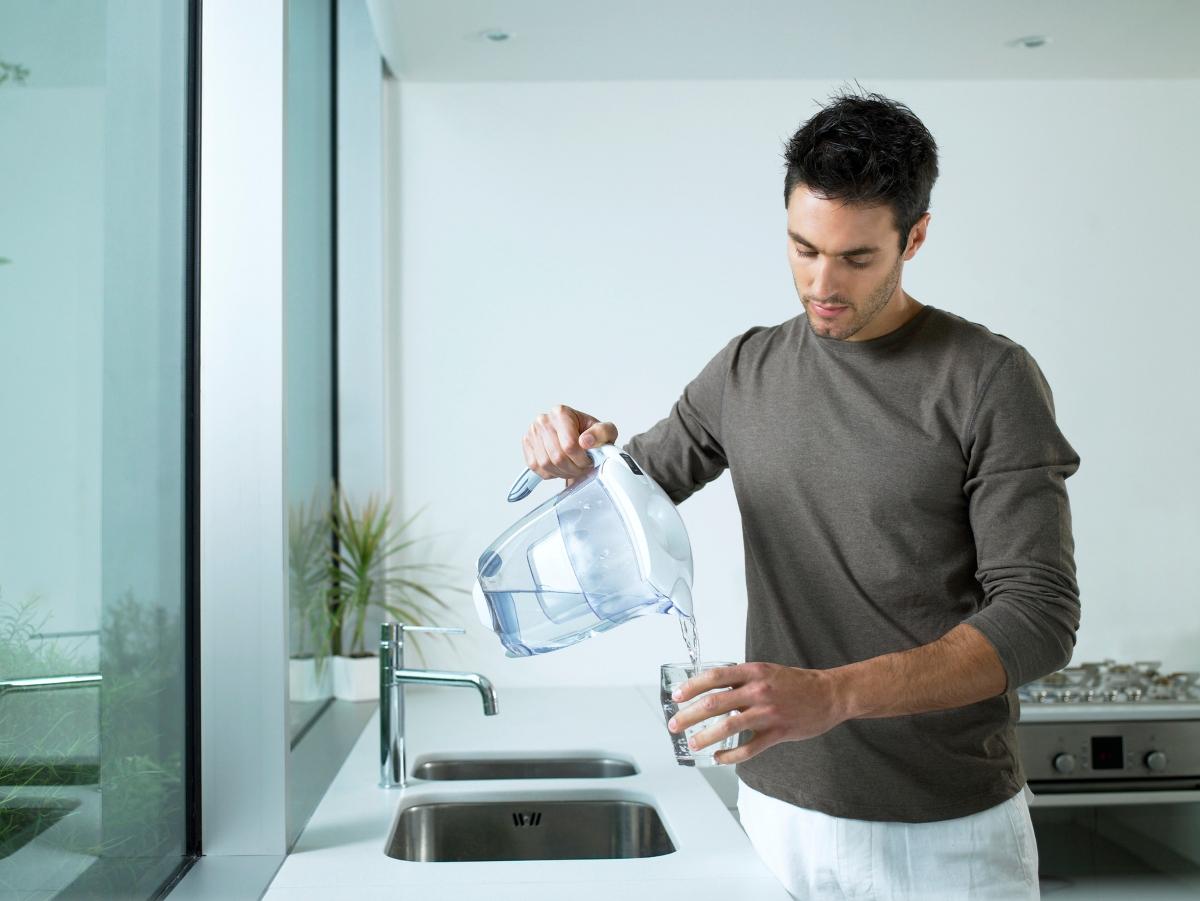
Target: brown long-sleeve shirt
column 889, row 490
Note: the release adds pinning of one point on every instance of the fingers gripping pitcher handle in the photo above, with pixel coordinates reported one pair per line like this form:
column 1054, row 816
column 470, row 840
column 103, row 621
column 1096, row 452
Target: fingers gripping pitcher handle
column 529, row 479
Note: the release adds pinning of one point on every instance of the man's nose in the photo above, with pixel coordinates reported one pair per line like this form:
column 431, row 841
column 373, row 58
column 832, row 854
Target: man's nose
column 823, row 286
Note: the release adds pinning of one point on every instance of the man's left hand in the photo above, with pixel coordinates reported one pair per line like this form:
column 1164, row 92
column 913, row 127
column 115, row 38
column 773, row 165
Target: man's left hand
column 777, row 703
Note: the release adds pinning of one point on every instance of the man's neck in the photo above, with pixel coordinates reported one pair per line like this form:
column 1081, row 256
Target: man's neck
column 900, row 310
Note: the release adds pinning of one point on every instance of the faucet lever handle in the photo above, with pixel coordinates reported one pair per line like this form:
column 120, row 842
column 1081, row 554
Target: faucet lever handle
column 393, row 633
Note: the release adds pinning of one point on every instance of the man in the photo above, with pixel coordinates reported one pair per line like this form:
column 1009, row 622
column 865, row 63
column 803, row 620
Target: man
column 909, row 558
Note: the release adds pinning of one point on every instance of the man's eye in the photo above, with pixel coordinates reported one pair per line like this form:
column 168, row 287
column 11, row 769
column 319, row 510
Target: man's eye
column 853, row 264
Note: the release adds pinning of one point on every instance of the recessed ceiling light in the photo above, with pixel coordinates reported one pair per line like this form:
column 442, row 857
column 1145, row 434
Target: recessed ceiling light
column 495, row 35
column 1029, row 41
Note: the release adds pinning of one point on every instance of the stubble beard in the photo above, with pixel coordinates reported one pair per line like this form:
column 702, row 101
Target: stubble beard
column 860, row 315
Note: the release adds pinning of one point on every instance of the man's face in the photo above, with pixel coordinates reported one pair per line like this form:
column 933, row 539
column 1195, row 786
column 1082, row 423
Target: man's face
column 846, row 264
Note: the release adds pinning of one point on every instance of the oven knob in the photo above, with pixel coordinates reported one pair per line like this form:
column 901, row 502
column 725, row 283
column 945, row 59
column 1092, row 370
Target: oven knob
column 1064, row 763
column 1157, row 761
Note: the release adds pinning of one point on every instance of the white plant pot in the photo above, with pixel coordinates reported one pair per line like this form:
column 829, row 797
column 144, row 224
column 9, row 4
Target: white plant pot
column 304, row 682
column 356, row 678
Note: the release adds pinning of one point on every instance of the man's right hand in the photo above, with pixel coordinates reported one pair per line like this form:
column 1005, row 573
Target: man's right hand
column 557, row 442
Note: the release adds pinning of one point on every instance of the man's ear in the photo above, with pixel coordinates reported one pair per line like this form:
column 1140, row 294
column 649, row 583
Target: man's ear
column 916, row 237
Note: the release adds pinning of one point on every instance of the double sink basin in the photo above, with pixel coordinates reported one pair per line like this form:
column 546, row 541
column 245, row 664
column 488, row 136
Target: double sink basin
column 532, row 826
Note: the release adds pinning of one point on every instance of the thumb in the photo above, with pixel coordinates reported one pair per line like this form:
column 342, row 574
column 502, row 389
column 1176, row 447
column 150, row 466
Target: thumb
column 600, row 433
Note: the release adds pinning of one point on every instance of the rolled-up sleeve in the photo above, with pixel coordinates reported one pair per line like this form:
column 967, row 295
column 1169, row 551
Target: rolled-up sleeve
column 683, row 451
column 1017, row 465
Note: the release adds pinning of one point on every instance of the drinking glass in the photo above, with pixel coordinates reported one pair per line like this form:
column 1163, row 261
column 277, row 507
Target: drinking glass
column 671, row 676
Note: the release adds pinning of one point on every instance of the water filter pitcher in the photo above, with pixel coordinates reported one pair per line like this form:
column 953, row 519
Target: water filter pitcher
column 609, row 548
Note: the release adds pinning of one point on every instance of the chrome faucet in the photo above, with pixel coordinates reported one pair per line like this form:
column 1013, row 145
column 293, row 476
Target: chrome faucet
column 392, row 678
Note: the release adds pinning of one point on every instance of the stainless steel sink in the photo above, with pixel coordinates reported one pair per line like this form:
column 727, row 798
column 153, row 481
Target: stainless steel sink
column 524, row 768
column 528, row 829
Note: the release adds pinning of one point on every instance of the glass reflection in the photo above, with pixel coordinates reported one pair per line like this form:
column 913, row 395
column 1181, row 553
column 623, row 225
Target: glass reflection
column 93, row 240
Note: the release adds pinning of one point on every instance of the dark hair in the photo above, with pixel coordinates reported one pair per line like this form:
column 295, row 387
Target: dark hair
column 865, row 149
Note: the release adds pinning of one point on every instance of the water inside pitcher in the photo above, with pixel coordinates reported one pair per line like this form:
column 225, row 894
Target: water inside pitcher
column 609, row 548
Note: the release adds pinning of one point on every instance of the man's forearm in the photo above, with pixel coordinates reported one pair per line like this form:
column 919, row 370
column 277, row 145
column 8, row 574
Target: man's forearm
column 959, row 668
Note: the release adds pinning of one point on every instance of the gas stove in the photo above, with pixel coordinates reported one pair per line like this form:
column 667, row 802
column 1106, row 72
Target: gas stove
column 1111, row 727
column 1111, row 689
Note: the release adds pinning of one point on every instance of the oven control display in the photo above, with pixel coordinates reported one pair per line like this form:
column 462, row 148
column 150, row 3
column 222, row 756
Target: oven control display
column 1108, row 752
column 1127, row 752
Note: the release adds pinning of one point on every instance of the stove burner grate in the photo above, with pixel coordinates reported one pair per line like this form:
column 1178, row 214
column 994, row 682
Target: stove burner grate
column 1112, row 682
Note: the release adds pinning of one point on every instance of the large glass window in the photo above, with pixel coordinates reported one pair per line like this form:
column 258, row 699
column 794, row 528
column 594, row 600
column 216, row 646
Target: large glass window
column 94, row 534
column 309, row 323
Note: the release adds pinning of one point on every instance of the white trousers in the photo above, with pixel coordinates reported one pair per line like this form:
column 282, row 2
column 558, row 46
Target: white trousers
column 987, row 855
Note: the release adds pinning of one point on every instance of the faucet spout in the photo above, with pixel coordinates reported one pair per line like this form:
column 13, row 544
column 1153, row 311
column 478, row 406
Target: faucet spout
column 393, row 675
column 440, row 677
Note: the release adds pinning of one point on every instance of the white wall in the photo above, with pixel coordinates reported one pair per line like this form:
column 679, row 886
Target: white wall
column 596, row 243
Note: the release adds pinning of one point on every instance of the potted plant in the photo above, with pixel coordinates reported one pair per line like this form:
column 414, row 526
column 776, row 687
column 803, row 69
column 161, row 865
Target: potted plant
column 367, row 573
column 309, row 547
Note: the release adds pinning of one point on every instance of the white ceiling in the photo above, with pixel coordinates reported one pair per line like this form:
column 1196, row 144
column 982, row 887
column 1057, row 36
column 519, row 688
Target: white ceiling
column 440, row 40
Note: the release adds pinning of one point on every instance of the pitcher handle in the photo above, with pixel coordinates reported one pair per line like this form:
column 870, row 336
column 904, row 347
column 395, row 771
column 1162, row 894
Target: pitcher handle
column 528, row 480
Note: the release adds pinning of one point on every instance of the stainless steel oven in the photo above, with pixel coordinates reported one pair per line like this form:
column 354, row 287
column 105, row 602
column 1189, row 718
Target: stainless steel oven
column 1111, row 753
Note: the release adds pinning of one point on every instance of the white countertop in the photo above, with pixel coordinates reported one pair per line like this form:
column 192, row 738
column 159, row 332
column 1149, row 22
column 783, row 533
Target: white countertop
column 340, row 853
